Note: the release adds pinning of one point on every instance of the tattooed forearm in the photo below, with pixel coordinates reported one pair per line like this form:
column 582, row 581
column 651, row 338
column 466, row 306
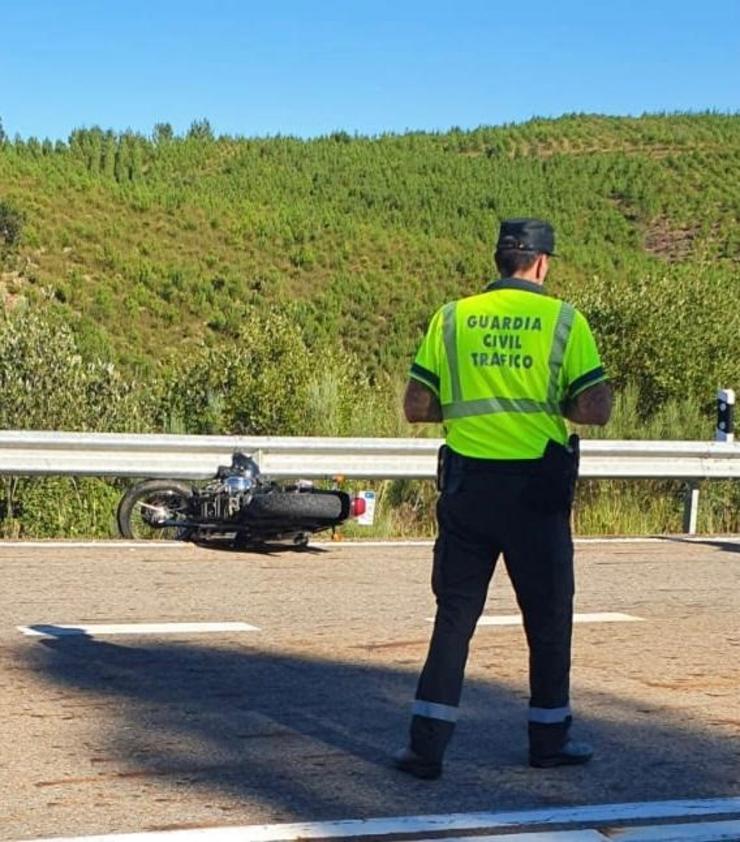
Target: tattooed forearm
column 421, row 404
column 592, row 406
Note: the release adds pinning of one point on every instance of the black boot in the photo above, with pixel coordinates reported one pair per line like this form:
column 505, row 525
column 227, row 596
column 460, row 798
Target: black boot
column 550, row 745
column 428, row 739
column 412, row 763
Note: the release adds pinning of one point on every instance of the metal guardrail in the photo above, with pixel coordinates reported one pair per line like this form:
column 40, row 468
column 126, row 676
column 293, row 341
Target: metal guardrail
column 197, row 457
column 31, row 453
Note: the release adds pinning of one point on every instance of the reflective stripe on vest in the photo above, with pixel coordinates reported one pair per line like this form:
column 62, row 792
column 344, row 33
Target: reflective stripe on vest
column 459, row 408
column 449, row 327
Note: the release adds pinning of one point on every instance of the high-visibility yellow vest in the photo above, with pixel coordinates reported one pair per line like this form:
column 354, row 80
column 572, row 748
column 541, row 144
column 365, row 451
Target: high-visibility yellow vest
column 503, row 364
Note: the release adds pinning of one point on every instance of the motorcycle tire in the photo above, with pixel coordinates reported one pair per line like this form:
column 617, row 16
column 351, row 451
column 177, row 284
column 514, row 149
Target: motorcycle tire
column 169, row 494
column 300, row 506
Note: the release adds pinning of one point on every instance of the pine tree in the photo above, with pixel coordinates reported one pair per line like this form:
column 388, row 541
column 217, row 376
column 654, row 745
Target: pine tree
column 120, row 168
column 200, row 130
column 162, row 133
column 108, row 155
column 11, row 227
column 136, row 168
column 94, row 149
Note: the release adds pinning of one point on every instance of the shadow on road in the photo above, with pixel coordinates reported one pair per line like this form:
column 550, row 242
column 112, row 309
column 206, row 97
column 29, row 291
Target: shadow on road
column 268, row 548
column 726, row 546
column 311, row 737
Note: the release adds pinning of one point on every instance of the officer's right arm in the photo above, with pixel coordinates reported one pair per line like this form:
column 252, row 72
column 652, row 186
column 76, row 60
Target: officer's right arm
column 422, row 399
column 420, row 403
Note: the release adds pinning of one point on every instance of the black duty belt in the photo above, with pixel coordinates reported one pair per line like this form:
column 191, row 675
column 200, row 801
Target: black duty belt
column 473, row 465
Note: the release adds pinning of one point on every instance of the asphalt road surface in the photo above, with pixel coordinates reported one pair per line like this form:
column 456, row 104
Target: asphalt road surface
column 292, row 715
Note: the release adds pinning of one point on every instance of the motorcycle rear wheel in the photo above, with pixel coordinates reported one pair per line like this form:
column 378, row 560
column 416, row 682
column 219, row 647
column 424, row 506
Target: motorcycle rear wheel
column 322, row 506
column 150, row 502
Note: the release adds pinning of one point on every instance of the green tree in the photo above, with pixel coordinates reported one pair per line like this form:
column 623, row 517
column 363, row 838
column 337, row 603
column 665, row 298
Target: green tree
column 121, row 165
column 41, row 368
column 137, row 160
column 200, row 130
column 108, row 155
column 162, row 133
column 256, row 384
column 12, row 221
column 47, row 384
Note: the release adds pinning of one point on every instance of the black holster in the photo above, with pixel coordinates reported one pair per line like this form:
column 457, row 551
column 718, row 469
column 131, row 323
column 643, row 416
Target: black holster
column 442, row 461
column 552, row 485
column 450, row 471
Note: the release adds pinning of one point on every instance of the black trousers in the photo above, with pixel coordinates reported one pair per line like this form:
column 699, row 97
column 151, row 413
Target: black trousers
column 481, row 516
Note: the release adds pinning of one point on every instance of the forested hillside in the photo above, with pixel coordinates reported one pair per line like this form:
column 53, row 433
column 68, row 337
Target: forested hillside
column 148, row 243
column 195, row 276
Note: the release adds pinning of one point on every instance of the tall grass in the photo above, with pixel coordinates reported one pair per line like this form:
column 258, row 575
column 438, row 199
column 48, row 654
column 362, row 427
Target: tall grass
column 640, row 507
column 405, row 508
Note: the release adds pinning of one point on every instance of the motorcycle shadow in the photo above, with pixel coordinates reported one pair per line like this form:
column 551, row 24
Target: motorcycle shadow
column 266, row 548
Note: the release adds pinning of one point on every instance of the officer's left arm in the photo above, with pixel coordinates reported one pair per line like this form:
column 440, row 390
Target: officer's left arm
column 588, row 397
column 420, row 403
column 592, row 406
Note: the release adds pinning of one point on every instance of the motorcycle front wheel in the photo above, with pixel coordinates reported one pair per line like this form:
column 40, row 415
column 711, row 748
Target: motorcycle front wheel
column 147, row 506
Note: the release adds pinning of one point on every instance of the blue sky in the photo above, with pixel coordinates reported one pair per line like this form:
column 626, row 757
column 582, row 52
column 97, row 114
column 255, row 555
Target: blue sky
column 308, row 68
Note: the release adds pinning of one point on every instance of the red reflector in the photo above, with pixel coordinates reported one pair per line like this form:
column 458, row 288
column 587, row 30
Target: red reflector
column 358, row 506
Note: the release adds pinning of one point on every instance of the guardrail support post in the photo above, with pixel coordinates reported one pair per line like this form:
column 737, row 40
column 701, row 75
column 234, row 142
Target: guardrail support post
column 725, row 415
column 691, row 508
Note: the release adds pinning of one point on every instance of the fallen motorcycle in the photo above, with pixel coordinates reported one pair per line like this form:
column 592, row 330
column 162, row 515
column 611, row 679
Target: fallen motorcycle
column 239, row 504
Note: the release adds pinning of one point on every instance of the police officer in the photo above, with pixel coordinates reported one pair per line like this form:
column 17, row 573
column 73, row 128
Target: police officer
column 502, row 370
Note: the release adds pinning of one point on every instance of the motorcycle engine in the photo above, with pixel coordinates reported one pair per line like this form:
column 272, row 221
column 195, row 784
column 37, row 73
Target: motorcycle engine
column 232, row 491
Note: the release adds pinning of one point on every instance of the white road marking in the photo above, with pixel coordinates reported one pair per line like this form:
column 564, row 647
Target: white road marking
column 694, row 832
column 600, row 815
column 544, row 836
column 429, row 542
column 120, row 543
column 103, row 629
column 371, row 544
column 596, row 617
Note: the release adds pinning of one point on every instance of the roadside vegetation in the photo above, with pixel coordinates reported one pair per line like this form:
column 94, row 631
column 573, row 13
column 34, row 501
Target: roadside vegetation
column 279, row 286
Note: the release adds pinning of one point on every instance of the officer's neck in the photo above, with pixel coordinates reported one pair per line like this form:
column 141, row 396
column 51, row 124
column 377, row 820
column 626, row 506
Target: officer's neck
column 527, row 276
column 537, row 272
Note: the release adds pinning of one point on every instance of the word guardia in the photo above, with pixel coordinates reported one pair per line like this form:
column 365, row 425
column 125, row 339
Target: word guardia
column 503, row 345
column 505, row 322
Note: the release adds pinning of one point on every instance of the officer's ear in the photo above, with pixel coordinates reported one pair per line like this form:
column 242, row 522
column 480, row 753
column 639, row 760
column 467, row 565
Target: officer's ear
column 541, row 267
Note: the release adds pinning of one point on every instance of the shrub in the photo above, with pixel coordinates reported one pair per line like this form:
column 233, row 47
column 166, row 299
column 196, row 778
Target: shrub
column 672, row 335
column 47, row 384
column 12, row 221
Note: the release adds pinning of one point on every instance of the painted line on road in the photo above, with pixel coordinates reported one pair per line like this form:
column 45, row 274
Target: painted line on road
column 104, row 629
column 595, row 617
column 594, row 540
column 91, row 545
column 360, row 543
column 545, row 836
column 421, row 542
column 694, row 832
column 599, row 815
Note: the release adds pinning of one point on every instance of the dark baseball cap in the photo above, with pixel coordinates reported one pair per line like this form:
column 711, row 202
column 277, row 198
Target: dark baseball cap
column 526, row 235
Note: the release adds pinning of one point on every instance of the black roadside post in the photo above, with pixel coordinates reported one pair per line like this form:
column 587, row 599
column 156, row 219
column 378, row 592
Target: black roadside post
column 725, row 416
column 724, row 432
